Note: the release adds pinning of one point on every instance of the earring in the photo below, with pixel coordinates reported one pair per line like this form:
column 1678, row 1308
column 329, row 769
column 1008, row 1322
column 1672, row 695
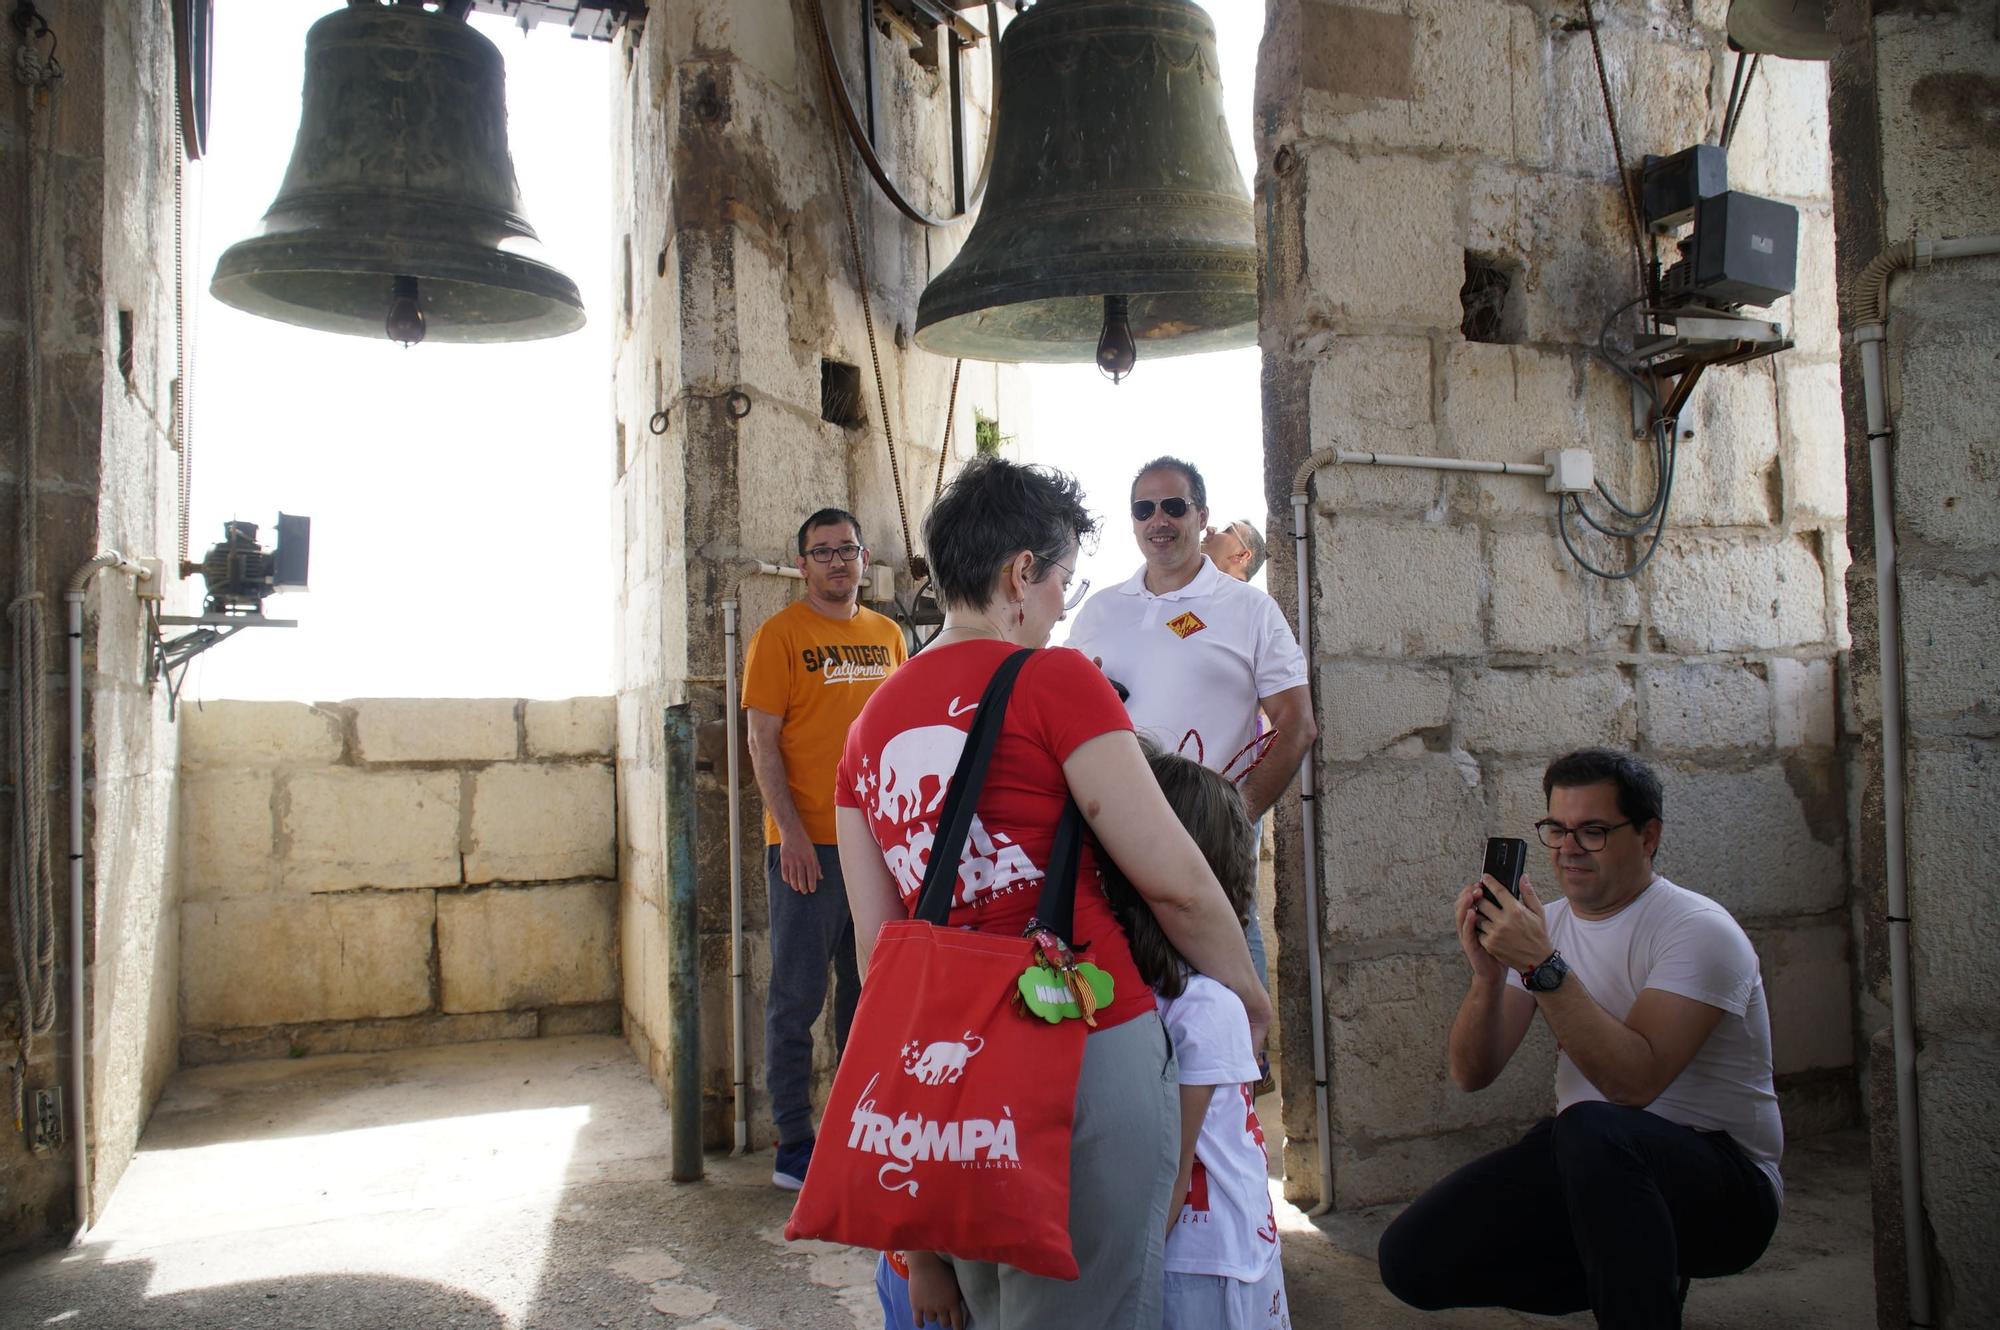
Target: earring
column 1020, row 615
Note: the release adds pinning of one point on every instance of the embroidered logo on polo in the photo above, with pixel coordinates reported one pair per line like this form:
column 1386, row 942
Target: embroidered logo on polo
column 1186, row 625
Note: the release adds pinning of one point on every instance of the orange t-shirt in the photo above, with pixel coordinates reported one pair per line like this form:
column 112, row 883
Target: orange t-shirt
column 816, row 673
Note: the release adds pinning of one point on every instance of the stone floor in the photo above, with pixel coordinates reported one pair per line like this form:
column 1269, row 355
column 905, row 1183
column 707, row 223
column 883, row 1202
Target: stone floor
column 525, row 1185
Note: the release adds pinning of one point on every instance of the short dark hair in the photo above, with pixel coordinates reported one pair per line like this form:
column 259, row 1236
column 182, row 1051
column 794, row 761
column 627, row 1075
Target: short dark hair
column 829, row 517
column 991, row 511
column 1253, row 540
column 1212, row 811
column 1197, row 490
column 1639, row 795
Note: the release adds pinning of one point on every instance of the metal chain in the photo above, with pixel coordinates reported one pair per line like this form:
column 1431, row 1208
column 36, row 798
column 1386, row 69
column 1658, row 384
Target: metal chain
column 1618, row 153
column 950, row 419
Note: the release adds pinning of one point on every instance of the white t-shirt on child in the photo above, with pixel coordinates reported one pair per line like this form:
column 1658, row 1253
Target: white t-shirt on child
column 1226, row 1224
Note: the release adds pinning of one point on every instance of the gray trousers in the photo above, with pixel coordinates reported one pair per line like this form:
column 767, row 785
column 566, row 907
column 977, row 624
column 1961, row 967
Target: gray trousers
column 1123, row 1154
column 808, row 930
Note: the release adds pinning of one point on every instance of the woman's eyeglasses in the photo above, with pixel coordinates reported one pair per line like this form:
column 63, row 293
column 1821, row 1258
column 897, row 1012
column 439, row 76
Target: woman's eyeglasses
column 1073, row 595
column 1175, row 508
column 828, row 553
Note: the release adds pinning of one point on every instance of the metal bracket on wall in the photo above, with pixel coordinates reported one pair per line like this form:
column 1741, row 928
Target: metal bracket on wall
column 1691, row 340
column 169, row 657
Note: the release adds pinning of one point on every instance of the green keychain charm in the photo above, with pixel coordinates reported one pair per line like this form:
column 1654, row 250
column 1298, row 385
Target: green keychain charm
column 1048, row 995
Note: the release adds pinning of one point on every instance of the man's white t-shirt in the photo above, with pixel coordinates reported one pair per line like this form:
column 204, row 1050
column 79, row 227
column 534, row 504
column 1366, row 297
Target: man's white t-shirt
column 1200, row 658
column 1227, row 1225
column 1680, row 941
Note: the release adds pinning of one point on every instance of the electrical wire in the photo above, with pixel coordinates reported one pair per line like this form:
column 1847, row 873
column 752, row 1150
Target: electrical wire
column 1735, row 118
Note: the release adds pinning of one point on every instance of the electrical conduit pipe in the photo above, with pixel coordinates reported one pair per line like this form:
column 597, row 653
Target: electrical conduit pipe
column 739, row 1057
column 1301, row 557
column 79, row 1087
column 1871, row 310
column 683, row 948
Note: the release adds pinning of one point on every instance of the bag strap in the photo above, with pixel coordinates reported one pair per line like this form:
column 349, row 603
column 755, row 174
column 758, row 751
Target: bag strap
column 961, row 798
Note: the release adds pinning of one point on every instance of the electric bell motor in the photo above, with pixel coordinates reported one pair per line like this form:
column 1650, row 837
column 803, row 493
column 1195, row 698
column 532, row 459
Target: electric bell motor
column 240, row 573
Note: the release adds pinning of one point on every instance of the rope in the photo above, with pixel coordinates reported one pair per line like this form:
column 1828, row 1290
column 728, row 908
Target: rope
column 30, row 889
column 950, row 419
column 1618, row 150
column 182, row 400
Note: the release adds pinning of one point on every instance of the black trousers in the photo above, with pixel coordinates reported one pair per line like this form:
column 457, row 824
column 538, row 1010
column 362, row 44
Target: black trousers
column 1601, row 1207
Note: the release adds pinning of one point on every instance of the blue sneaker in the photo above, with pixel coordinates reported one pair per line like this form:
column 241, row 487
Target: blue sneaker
column 789, row 1171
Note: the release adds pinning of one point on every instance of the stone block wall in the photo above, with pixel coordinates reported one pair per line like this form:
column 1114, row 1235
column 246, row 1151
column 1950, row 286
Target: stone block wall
column 388, row 872
column 1916, row 90
column 1457, row 646
column 100, row 292
column 737, row 276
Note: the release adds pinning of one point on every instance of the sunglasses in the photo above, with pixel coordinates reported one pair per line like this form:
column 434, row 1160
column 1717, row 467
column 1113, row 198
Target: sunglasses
column 1175, row 508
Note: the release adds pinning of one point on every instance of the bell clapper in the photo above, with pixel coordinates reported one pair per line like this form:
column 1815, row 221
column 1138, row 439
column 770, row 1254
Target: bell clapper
column 1116, row 352
column 405, row 323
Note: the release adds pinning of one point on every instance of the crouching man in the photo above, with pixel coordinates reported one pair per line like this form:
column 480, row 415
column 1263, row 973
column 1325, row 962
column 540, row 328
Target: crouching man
column 1661, row 1163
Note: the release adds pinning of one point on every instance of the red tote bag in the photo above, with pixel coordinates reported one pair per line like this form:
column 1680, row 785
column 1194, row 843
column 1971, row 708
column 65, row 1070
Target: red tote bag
column 949, row 1125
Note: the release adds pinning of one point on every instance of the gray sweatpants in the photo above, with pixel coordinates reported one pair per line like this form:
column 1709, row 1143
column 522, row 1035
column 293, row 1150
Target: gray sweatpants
column 807, row 931
column 1121, row 1175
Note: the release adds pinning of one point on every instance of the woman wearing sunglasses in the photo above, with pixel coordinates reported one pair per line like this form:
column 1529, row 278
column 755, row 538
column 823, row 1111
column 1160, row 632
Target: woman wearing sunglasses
column 1002, row 542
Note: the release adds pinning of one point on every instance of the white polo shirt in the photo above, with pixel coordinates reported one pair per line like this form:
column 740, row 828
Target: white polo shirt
column 1199, row 658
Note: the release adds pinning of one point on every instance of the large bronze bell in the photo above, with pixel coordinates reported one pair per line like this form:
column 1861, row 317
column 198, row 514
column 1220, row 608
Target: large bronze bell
column 1114, row 192
column 399, row 211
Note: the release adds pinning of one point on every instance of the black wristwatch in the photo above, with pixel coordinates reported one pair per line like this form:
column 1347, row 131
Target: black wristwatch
column 1548, row 976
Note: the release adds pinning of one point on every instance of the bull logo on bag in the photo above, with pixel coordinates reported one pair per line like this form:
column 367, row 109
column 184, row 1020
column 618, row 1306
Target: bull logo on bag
column 942, row 1062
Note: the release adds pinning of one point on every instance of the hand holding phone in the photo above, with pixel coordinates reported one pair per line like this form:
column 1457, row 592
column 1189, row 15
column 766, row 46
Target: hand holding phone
column 1506, row 860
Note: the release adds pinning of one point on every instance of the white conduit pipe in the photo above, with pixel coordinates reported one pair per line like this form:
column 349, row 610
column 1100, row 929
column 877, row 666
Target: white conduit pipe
column 78, row 1025
column 1871, row 331
column 1351, row 457
column 1301, row 557
column 739, row 1057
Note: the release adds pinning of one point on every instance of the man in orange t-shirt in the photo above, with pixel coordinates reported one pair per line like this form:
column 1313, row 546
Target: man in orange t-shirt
column 808, row 672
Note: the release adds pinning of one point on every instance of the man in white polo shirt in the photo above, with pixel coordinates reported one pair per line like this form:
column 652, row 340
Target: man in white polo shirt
column 1198, row 650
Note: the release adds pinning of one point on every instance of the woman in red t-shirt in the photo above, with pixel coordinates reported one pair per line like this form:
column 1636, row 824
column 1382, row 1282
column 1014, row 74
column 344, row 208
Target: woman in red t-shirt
column 1003, row 542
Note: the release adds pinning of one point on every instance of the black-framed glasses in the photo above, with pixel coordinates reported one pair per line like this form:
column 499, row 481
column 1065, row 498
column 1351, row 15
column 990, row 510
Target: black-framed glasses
column 1072, row 595
column 1175, row 508
column 847, row 553
column 1589, row 837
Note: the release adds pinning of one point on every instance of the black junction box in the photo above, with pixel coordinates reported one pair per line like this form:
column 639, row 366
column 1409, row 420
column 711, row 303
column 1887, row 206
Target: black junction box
column 1669, row 187
column 1745, row 250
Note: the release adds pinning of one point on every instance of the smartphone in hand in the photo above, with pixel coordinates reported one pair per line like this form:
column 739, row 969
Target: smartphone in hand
column 1506, row 859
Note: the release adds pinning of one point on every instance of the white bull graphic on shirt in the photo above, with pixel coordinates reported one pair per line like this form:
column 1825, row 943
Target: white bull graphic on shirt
column 942, row 1062
column 910, row 762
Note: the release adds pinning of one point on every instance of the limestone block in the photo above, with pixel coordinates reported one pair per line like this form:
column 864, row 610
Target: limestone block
column 1399, row 836
column 1390, row 1020
column 577, row 727
column 1815, row 461
column 1947, row 447
column 1508, row 404
column 1938, row 162
column 535, row 823
column 1764, row 843
column 1727, row 473
column 1445, row 76
column 1951, row 630
column 1387, row 1172
column 1570, row 237
column 507, row 948
column 1802, row 702
column 405, row 729
column 1954, row 843
column 226, row 833
column 1546, row 710
column 1373, row 393
column 773, row 362
column 1365, row 707
column 790, row 463
column 1733, row 595
column 345, row 828
column 1958, row 1082
column 1780, row 148
column 1398, row 589
column 1809, row 986
column 1811, row 314
column 242, row 734
column 1660, row 87
column 630, row 964
column 1542, row 602
column 1706, row 706
column 1359, row 269
column 268, row 960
